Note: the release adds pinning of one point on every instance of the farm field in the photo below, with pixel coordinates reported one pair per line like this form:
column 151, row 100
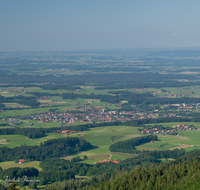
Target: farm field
column 12, row 164
column 171, row 124
column 12, row 141
column 193, row 92
column 61, row 105
column 186, row 139
column 101, row 138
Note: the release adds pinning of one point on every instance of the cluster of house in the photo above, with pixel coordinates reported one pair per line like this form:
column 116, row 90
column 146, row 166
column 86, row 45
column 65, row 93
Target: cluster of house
column 90, row 114
column 177, row 95
column 139, row 115
column 18, row 90
column 104, row 161
column 139, row 89
column 178, row 127
column 12, row 121
column 43, row 98
column 187, row 88
column 183, row 127
column 67, row 132
column 184, row 105
column 169, row 115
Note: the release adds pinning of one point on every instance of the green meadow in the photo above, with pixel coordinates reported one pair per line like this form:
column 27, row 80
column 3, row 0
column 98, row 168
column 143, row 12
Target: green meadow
column 186, row 139
column 103, row 137
column 192, row 92
column 12, row 141
column 12, row 164
column 171, row 124
column 62, row 105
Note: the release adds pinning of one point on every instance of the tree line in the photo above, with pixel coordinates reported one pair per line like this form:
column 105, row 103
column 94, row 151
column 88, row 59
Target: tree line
column 56, row 169
column 41, row 132
column 128, row 146
column 101, row 174
column 28, row 101
column 50, row 148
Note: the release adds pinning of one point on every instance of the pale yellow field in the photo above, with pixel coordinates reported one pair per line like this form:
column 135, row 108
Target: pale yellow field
column 124, row 101
column 15, row 105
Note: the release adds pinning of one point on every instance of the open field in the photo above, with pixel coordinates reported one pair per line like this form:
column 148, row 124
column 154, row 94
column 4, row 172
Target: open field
column 171, row 124
column 186, row 139
column 181, row 146
column 15, row 105
column 192, row 92
column 101, row 137
column 12, row 164
column 62, row 105
column 12, row 141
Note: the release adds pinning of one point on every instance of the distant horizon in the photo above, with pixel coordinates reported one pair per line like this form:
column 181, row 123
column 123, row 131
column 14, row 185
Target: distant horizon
column 111, row 49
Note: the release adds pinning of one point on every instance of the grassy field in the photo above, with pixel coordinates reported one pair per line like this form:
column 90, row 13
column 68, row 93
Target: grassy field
column 101, row 138
column 15, row 105
column 61, row 106
column 192, row 92
column 171, row 124
column 12, row 141
column 12, row 164
column 185, row 139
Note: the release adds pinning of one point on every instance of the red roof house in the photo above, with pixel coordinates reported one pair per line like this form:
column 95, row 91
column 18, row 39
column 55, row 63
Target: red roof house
column 21, row 161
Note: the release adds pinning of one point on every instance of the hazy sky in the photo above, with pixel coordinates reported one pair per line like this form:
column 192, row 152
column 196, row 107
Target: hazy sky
column 50, row 25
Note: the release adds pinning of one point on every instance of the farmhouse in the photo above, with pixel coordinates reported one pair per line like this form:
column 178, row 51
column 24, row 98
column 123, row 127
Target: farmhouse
column 104, row 161
column 21, row 161
column 68, row 132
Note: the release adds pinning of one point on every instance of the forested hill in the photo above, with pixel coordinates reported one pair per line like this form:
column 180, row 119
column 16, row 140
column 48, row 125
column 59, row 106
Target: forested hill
column 183, row 175
column 147, row 174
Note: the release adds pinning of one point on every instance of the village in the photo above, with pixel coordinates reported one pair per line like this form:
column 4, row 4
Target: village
column 184, row 105
column 178, row 127
column 88, row 115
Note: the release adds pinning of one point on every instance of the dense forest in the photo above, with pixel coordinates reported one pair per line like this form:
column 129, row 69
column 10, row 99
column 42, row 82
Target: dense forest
column 56, row 169
column 28, row 101
column 132, row 98
column 100, row 79
column 29, row 132
column 143, row 173
column 169, row 176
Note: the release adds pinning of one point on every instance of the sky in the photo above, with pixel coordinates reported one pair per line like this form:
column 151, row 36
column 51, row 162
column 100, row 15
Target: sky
column 63, row 25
